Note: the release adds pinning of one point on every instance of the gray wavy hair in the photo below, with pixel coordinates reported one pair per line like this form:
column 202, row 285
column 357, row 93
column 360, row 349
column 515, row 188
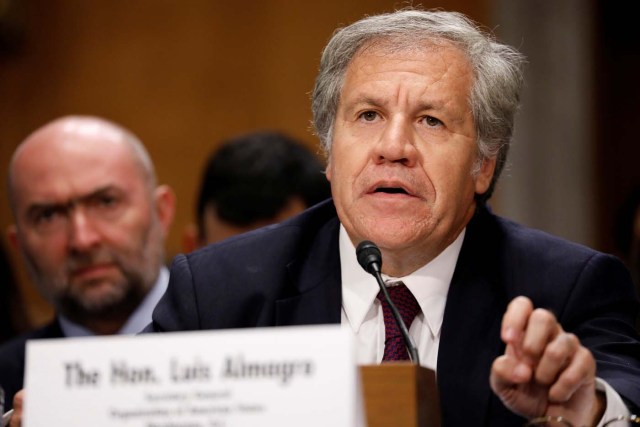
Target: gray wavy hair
column 498, row 73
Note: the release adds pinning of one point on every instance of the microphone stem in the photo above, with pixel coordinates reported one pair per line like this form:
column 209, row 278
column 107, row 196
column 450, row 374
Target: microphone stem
column 408, row 341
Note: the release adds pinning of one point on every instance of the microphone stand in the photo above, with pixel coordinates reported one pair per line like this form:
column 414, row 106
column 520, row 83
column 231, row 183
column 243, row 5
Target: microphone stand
column 408, row 341
column 370, row 258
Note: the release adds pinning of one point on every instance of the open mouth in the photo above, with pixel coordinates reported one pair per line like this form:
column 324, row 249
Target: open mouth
column 391, row 190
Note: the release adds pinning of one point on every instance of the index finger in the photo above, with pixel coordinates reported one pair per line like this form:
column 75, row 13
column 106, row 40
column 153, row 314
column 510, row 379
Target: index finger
column 515, row 319
column 16, row 416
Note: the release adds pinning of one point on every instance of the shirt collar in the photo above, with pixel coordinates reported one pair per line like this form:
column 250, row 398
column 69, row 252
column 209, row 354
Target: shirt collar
column 429, row 284
column 138, row 320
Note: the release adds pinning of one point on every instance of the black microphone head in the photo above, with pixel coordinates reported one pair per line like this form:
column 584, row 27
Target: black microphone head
column 369, row 256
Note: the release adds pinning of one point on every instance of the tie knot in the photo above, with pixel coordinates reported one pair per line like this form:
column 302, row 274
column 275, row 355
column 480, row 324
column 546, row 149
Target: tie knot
column 404, row 301
column 408, row 308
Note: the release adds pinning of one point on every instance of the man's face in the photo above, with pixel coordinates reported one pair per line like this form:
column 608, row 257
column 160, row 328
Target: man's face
column 404, row 146
column 86, row 223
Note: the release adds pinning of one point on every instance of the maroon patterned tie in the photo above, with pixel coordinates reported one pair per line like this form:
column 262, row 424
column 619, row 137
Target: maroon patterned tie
column 405, row 302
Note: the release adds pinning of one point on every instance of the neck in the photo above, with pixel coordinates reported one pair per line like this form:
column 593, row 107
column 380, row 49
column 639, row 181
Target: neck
column 107, row 321
column 404, row 261
column 105, row 327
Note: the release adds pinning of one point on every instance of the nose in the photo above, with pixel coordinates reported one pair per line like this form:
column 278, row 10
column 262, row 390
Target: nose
column 83, row 234
column 397, row 143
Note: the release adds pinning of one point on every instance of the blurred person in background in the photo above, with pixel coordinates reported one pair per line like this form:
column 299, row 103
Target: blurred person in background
column 254, row 180
column 90, row 224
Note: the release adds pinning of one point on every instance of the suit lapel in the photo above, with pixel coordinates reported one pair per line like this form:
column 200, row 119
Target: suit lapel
column 470, row 338
column 316, row 275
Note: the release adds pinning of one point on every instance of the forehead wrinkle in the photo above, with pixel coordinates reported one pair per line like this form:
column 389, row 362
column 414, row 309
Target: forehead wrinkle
column 369, row 100
column 83, row 197
column 449, row 72
column 448, row 67
column 69, row 185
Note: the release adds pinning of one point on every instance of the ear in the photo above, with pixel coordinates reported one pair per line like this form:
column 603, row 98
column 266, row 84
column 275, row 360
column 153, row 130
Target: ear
column 485, row 175
column 328, row 170
column 165, row 200
column 12, row 236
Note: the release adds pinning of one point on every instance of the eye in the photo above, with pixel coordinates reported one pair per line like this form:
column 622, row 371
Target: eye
column 104, row 201
column 46, row 215
column 368, row 116
column 431, row 121
column 46, row 218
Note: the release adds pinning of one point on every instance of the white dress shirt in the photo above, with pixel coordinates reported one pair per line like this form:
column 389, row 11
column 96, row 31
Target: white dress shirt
column 362, row 312
column 138, row 320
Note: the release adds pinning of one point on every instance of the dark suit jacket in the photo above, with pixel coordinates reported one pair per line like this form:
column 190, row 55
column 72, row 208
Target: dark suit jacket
column 12, row 359
column 289, row 274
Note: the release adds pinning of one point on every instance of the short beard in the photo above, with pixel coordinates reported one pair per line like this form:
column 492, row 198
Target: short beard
column 114, row 307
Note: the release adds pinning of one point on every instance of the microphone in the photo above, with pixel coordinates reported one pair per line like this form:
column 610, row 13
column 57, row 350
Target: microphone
column 370, row 259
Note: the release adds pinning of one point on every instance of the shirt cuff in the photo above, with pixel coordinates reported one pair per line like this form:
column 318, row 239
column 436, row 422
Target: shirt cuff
column 615, row 404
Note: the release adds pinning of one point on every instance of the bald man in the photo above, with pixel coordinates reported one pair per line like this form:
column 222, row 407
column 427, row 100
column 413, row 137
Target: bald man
column 90, row 223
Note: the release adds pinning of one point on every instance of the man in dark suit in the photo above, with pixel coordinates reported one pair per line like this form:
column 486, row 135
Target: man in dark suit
column 90, row 223
column 415, row 110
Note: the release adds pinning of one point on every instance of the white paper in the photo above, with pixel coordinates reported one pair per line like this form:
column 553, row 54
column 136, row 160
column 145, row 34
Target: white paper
column 286, row 376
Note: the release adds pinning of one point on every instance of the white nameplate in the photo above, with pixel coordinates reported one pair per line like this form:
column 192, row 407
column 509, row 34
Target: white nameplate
column 288, row 376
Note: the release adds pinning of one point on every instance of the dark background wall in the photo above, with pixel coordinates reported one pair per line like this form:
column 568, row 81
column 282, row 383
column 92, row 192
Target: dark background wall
column 617, row 103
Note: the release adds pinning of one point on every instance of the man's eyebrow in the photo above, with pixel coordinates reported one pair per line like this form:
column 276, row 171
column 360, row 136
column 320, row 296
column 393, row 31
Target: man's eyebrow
column 64, row 204
column 36, row 208
column 380, row 102
column 367, row 100
column 99, row 191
